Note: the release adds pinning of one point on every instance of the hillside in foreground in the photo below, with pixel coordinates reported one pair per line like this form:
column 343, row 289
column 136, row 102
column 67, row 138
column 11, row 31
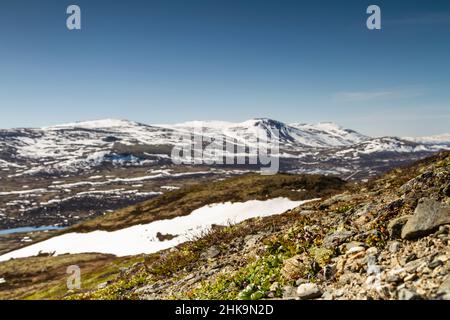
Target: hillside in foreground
column 385, row 239
column 388, row 239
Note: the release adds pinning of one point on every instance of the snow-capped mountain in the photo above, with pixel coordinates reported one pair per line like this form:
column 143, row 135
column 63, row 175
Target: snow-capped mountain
column 77, row 146
column 321, row 135
column 441, row 139
column 63, row 173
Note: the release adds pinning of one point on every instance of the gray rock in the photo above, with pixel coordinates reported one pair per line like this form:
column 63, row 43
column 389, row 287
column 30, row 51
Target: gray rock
column 428, row 216
column 211, row 253
column 444, row 289
column 413, row 265
column 395, row 226
column 393, row 278
column 289, row 292
column 308, row 291
column 327, row 296
column 335, row 199
column 435, row 263
column 353, row 244
column 407, row 294
column 394, row 247
column 148, row 289
column 336, row 238
column 354, row 250
column 251, row 240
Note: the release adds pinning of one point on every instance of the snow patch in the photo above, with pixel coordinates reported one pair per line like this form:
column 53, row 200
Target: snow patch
column 142, row 239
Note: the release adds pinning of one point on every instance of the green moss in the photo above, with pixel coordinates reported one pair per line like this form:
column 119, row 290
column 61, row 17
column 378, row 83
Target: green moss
column 321, row 255
column 344, row 208
column 251, row 282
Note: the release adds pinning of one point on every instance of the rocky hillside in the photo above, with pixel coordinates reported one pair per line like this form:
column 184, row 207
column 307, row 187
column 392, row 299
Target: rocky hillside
column 385, row 239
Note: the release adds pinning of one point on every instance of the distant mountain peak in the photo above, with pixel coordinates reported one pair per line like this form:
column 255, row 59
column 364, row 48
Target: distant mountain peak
column 96, row 124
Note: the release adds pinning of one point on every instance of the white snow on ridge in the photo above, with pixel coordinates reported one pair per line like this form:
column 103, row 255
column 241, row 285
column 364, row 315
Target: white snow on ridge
column 79, row 146
column 437, row 139
column 143, row 238
column 94, row 124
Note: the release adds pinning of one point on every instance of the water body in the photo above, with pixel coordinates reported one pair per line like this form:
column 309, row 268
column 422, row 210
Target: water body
column 28, row 229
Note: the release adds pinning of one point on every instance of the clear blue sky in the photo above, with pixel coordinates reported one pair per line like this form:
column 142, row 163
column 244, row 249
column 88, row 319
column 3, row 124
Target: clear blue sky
column 166, row 61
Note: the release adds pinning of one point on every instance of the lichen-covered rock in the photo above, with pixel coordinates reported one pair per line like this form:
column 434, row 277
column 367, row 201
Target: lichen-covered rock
column 428, row 216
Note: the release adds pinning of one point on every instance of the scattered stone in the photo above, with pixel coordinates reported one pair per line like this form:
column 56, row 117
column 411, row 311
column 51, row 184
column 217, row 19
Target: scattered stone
column 355, row 250
column 395, row 226
column 444, row 289
column 413, row 265
column 394, row 247
column 289, row 292
column 251, row 240
column 410, row 277
column 339, row 293
column 2, row 280
column 435, row 263
column 372, row 251
column 428, row 216
column 393, row 278
column 308, row 291
column 353, row 244
column 327, row 296
column 100, row 286
column 407, row 294
column 211, row 253
column 336, row 238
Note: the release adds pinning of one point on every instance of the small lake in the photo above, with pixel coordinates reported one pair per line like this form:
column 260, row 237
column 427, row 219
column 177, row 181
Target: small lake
column 28, row 229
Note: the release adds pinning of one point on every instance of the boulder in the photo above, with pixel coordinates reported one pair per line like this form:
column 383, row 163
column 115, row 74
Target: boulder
column 308, row 291
column 406, row 294
column 428, row 216
column 395, row 226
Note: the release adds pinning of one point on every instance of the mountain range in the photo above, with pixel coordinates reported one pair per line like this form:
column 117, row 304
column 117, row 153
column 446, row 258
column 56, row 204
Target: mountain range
column 81, row 146
column 63, row 174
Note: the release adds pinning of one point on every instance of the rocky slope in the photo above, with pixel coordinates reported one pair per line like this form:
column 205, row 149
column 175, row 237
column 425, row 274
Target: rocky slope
column 385, row 239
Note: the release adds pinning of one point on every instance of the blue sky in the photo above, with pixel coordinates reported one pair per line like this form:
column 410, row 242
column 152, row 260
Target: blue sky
column 166, row 61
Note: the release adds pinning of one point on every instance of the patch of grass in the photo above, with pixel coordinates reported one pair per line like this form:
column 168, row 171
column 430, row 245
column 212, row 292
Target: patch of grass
column 119, row 290
column 344, row 208
column 253, row 281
